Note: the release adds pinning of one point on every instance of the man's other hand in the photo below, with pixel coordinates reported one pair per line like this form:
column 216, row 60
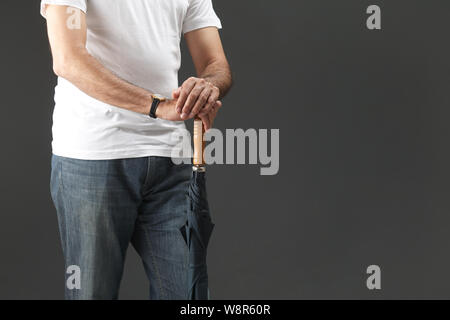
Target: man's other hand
column 195, row 97
column 208, row 119
column 167, row 111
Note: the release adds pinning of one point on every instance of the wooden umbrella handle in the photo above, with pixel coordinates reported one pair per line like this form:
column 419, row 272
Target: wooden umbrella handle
column 199, row 143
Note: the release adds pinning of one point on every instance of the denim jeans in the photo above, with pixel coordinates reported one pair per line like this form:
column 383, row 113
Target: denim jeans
column 103, row 205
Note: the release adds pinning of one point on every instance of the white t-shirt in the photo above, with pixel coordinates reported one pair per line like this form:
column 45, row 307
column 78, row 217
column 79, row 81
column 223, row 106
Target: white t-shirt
column 139, row 41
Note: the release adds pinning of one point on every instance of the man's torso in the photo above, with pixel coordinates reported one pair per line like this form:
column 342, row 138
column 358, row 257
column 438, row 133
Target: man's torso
column 139, row 41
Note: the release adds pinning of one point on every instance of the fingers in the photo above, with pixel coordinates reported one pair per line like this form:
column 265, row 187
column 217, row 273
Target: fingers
column 202, row 101
column 213, row 114
column 218, row 105
column 194, row 96
column 184, row 92
column 206, row 122
column 208, row 119
column 213, row 98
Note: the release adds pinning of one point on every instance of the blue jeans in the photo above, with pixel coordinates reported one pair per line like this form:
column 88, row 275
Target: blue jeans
column 103, row 205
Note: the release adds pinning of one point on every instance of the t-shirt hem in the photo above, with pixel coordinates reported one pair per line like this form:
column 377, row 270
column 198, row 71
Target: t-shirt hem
column 114, row 155
column 204, row 24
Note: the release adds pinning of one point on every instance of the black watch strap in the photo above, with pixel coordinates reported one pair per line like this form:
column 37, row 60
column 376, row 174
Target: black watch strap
column 155, row 104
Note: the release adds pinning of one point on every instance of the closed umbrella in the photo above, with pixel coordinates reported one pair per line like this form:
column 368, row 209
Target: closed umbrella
column 199, row 225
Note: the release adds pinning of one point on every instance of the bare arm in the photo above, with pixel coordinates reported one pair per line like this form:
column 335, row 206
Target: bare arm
column 209, row 58
column 197, row 95
column 72, row 61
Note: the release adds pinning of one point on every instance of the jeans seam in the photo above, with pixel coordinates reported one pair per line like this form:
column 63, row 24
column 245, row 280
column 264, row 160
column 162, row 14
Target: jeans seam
column 147, row 175
column 155, row 266
column 63, row 202
column 66, row 204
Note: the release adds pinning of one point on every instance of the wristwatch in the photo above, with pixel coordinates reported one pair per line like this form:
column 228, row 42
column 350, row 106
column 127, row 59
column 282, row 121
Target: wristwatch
column 157, row 99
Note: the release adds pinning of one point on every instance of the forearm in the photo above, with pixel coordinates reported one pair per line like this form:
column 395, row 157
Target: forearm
column 219, row 74
column 91, row 77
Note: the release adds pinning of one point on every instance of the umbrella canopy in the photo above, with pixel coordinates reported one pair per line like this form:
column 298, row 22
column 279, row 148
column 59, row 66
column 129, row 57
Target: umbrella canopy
column 199, row 225
column 200, row 228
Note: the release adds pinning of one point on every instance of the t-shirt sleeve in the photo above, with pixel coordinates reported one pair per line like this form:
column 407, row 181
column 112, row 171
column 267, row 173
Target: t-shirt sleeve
column 80, row 4
column 200, row 14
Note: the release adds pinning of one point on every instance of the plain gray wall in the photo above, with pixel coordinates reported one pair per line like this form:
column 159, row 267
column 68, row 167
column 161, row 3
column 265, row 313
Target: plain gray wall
column 364, row 173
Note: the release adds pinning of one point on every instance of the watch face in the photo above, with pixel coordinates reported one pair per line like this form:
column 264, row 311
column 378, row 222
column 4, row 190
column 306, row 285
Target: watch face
column 159, row 97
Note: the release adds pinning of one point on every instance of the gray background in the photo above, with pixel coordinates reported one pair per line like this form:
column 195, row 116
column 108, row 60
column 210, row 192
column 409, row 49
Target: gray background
column 363, row 117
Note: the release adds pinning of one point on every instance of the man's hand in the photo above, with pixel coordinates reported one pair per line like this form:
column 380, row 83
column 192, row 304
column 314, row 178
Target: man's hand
column 195, row 97
column 167, row 111
column 208, row 119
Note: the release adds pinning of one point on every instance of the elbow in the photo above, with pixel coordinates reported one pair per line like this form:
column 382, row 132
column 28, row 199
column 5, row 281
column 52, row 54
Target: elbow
column 58, row 69
column 61, row 67
column 65, row 63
